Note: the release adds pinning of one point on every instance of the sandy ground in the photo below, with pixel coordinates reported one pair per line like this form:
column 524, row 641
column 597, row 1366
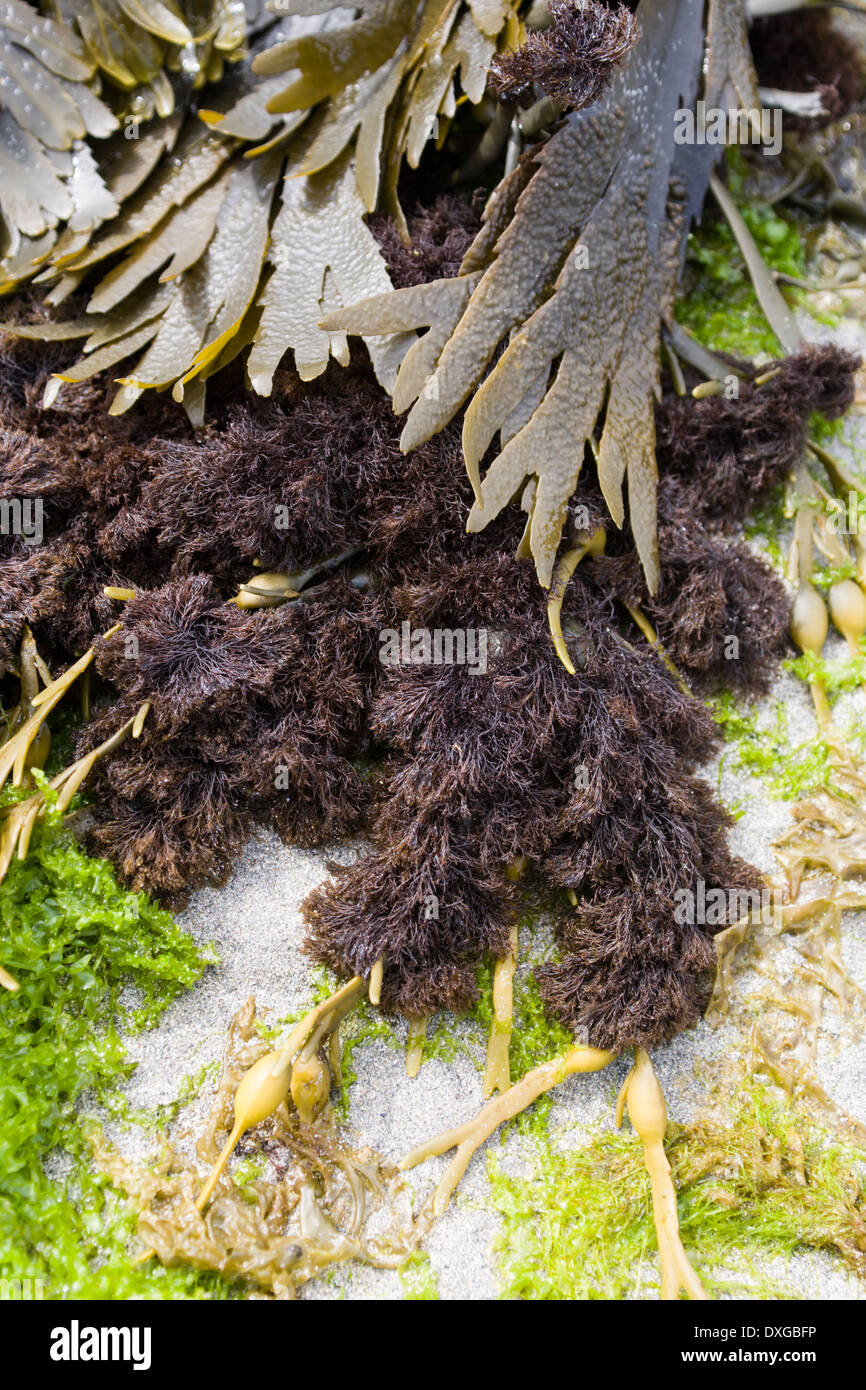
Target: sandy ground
column 255, row 925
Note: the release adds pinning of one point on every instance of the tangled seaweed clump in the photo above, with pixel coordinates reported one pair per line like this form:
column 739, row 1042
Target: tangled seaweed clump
column 571, row 60
column 272, row 613
column 262, row 714
column 300, row 1214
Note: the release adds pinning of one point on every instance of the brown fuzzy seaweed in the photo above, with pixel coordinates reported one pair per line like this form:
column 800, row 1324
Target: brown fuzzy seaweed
column 260, row 717
column 439, row 237
column 172, row 855
column 631, row 971
column 728, row 453
column 583, row 774
column 290, row 484
column 721, row 613
column 254, row 716
column 430, row 907
column 571, row 61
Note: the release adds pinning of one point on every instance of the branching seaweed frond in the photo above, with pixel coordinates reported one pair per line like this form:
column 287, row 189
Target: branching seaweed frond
column 235, row 227
column 469, row 1137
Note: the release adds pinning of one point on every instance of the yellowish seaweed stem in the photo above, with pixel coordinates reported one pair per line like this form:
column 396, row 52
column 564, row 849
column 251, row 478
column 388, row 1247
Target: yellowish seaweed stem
column 469, row 1137
column 138, row 722
column 72, row 777
column 415, row 1045
column 18, row 820
column 337, row 1004
column 592, row 545
column 708, row 388
column 646, row 1110
column 809, row 623
column 13, row 754
column 375, row 988
column 823, row 713
column 257, row 1097
column 497, row 1073
column 640, row 620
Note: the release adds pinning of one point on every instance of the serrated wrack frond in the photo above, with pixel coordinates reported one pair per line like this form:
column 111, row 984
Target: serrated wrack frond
column 48, row 109
column 383, row 82
column 577, row 283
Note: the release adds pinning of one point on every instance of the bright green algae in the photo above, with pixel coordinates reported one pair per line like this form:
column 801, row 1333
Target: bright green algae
column 418, row 1279
column 579, row 1226
column 764, row 750
column 721, row 308
column 90, row 958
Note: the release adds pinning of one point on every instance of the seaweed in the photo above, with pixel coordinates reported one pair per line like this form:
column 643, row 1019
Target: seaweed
column 613, row 239
column 515, row 766
column 74, row 938
column 140, row 48
column 571, row 60
column 281, row 622
column 181, row 184
column 305, row 1211
column 382, row 82
column 242, row 724
column 49, row 174
column 721, row 614
column 761, row 1183
column 261, row 715
column 152, row 57
column 439, row 237
column 323, row 142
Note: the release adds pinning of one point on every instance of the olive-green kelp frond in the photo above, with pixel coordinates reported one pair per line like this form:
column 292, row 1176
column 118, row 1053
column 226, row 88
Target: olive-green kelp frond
column 47, row 109
column 575, row 268
column 385, row 82
column 218, row 249
column 52, row 98
column 321, row 253
column 187, row 293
